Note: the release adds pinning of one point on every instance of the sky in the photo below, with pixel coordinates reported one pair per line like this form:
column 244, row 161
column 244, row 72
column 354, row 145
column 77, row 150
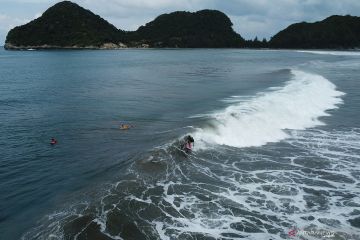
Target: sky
column 251, row 18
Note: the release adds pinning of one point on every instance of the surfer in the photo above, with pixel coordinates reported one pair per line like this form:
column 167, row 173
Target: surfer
column 188, row 144
column 53, row 141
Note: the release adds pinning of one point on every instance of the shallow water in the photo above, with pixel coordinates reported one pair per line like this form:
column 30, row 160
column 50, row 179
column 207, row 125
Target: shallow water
column 277, row 144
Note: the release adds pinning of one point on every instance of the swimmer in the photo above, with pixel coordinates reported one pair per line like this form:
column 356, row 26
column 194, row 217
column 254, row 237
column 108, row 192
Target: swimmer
column 126, row 126
column 53, row 141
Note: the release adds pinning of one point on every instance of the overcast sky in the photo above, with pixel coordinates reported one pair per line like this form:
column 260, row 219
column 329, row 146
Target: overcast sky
column 261, row 18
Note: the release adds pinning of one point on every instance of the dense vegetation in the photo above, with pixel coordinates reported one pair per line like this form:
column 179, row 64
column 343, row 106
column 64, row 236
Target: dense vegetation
column 333, row 32
column 65, row 24
column 206, row 28
column 68, row 25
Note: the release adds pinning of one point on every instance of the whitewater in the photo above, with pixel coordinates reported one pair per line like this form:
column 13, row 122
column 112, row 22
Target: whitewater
column 276, row 155
column 265, row 117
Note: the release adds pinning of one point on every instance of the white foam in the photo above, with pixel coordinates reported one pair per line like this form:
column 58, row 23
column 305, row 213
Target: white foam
column 289, row 205
column 335, row 53
column 264, row 118
column 269, row 198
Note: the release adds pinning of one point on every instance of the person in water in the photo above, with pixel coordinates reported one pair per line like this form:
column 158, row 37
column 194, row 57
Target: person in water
column 53, row 141
column 125, row 126
column 188, row 144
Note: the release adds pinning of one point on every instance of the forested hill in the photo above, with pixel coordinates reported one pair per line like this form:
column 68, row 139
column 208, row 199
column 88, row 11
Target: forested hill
column 334, row 32
column 65, row 24
column 206, row 28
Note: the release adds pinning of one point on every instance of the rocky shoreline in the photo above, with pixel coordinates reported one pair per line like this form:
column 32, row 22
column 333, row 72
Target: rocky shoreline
column 105, row 46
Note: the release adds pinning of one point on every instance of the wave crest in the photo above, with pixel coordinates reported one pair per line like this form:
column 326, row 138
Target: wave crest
column 264, row 118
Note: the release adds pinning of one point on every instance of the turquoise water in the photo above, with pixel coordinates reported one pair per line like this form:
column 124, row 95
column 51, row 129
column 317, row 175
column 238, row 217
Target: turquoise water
column 277, row 144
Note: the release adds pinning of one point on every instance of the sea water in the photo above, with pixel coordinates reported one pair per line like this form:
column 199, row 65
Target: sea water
column 277, row 144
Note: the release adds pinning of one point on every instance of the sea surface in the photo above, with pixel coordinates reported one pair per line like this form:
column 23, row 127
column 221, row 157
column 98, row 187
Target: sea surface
column 276, row 156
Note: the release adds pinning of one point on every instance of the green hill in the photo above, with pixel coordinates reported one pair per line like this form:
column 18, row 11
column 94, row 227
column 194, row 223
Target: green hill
column 65, row 24
column 333, row 32
column 206, row 28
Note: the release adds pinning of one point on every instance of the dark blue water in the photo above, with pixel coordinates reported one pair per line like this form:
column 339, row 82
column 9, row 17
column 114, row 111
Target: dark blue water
column 276, row 144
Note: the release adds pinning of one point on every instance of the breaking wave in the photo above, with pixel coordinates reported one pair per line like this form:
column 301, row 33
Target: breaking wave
column 335, row 53
column 265, row 117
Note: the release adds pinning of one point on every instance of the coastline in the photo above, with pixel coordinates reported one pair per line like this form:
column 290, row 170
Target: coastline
column 105, row 46
column 121, row 46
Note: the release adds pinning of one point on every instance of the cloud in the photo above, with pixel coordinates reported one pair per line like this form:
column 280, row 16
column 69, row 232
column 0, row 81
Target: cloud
column 262, row 18
column 132, row 12
column 8, row 22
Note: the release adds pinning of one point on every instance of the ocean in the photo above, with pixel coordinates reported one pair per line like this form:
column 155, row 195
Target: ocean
column 276, row 153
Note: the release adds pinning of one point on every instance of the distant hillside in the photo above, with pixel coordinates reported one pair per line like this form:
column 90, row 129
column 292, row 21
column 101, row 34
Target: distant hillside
column 206, row 28
column 65, row 24
column 333, row 32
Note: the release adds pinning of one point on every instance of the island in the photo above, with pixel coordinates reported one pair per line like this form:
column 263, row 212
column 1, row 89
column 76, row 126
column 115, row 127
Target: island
column 67, row 25
column 334, row 32
column 64, row 25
